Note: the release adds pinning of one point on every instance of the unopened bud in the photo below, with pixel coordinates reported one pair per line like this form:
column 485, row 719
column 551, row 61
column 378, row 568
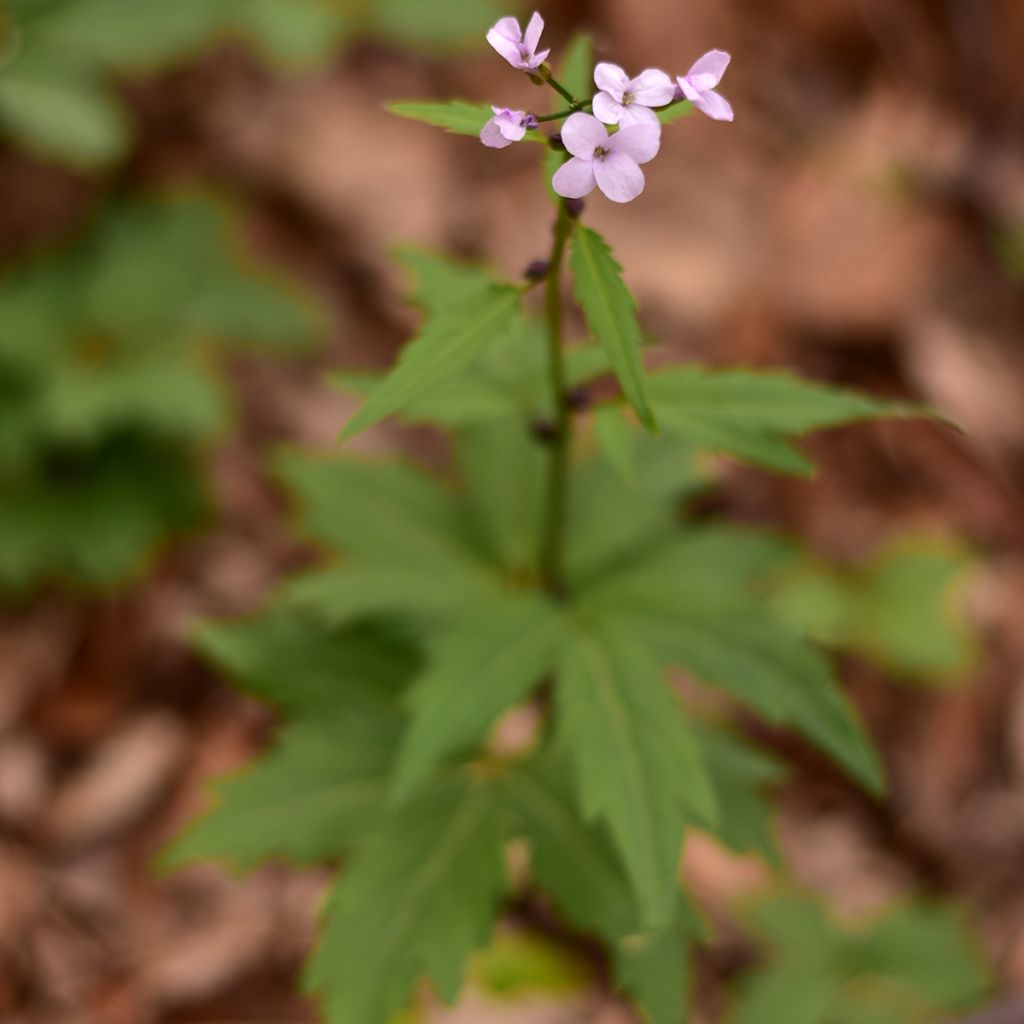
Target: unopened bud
column 543, row 431
column 530, row 122
column 574, row 207
column 537, row 270
column 555, row 142
column 577, row 399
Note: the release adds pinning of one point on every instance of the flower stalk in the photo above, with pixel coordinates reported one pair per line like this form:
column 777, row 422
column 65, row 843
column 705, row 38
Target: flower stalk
column 556, row 498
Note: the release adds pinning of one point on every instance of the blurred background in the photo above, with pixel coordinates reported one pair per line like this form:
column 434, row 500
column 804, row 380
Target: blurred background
column 199, row 202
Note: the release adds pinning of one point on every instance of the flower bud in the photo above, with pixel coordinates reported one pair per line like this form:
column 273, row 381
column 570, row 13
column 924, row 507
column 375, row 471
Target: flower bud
column 543, row 431
column 555, row 142
column 574, row 207
column 537, row 270
column 577, row 399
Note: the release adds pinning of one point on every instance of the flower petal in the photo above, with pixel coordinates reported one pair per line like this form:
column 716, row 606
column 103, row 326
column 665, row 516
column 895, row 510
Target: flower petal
column 638, row 142
column 608, row 109
column 652, row 88
column 490, row 135
column 635, row 114
column 508, row 28
column 619, row 177
column 512, row 128
column 689, row 90
column 712, row 65
column 610, row 78
column 508, row 48
column 538, row 59
column 574, row 179
column 531, row 37
column 714, row 105
column 582, row 134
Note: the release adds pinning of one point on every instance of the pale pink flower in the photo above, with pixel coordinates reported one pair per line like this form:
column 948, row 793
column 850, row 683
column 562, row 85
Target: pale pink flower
column 626, row 101
column 698, row 85
column 507, row 126
column 611, row 162
column 519, row 48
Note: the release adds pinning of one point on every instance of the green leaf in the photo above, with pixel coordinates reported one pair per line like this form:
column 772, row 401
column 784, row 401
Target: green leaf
column 488, row 661
column 728, row 642
column 320, row 788
column 503, row 470
column 92, row 518
column 740, row 775
column 64, row 118
column 636, row 765
column 615, row 438
column 419, row 896
column 304, row 667
column 789, row 992
column 447, row 344
column 439, row 282
column 576, row 864
column 610, row 312
column 675, row 112
column 387, row 514
column 576, row 72
column 753, row 414
column 454, row 116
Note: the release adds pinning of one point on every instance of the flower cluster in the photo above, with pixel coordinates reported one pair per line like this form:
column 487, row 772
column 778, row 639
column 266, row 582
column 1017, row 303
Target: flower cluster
column 610, row 135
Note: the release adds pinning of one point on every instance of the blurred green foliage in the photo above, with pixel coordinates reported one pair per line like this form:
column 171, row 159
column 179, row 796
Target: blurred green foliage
column 108, row 389
column 914, row 964
column 58, row 58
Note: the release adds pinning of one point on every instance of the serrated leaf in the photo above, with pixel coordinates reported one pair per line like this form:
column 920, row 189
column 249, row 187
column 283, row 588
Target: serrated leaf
column 389, row 515
column 576, row 864
column 610, row 312
column 305, row 667
column 636, row 766
column 454, row 116
column 320, row 788
column 419, row 895
column 753, row 414
column 740, row 775
column 615, row 438
column 503, row 472
column 447, row 343
column 485, row 663
column 439, row 282
column 728, row 642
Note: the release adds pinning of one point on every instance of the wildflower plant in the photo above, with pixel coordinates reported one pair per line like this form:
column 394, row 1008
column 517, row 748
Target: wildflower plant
column 483, row 659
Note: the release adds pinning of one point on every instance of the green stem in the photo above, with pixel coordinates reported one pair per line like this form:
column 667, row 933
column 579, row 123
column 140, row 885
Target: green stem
column 562, row 91
column 559, row 114
column 553, row 535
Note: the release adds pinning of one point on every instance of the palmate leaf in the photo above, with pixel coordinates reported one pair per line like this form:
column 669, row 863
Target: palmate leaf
column 610, row 313
column 447, row 343
column 727, row 641
column 753, row 415
column 418, row 896
column 320, row 788
column 576, row 864
column 636, row 765
column 485, row 663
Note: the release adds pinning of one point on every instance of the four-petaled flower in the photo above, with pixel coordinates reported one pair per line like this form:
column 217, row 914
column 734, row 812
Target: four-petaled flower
column 519, row 48
column 507, row 126
column 698, row 85
column 626, row 101
column 609, row 161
